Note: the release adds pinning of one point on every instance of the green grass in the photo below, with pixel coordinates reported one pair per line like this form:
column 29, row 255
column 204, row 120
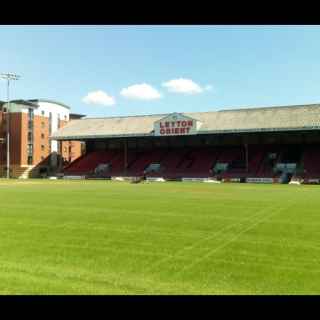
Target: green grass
column 100, row 237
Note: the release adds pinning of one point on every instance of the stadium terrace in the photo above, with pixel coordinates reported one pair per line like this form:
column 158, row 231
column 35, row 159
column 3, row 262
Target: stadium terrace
column 269, row 144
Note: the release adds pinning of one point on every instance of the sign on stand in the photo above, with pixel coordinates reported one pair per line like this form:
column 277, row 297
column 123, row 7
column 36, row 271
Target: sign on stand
column 176, row 124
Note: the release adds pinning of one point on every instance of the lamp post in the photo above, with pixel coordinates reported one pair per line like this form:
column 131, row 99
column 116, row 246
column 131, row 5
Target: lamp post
column 8, row 77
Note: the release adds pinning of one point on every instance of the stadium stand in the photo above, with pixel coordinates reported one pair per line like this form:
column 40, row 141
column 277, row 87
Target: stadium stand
column 311, row 162
column 266, row 144
column 196, row 163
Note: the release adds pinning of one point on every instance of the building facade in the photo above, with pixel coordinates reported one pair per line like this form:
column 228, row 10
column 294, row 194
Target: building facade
column 31, row 124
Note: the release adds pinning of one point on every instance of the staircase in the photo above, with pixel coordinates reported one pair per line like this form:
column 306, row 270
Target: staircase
column 285, row 177
column 22, row 172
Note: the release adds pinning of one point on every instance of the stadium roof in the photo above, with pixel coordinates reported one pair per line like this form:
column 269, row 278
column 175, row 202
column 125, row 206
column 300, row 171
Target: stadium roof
column 286, row 118
column 76, row 115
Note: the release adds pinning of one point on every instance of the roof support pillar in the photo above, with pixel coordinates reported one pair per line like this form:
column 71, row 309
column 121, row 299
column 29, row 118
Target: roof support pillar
column 125, row 145
column 247, row 156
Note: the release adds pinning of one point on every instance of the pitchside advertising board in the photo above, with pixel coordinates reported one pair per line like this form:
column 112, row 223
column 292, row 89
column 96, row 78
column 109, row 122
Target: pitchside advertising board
column 176, row 124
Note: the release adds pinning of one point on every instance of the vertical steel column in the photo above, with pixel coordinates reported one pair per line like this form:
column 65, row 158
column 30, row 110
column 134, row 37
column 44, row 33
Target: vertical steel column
column 8, row 77
column 247, row 157
column 125, row 156
column 8, row 130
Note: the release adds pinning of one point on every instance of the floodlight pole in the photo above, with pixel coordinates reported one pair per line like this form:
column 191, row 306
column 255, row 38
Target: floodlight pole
column 8, row 77
column 8, row 128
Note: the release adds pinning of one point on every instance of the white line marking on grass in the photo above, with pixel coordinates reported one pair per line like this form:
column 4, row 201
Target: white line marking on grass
column 223, row 245
column 298, row 262
column 301, row 245
column 212, row 236
column 272, row 265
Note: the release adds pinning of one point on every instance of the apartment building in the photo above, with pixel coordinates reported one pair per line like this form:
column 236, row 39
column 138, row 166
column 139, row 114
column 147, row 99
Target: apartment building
column 30, row 124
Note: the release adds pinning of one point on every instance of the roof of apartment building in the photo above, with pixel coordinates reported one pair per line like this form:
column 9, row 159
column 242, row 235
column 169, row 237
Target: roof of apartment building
column 282, row 118
column 35, row 102
column 49, row 101
column 24, row 102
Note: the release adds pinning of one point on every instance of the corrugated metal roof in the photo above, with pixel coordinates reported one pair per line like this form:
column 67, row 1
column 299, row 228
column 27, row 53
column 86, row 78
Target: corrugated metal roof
column 304, row 117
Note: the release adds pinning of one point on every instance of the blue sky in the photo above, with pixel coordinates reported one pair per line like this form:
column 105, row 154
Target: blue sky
column 128, row 70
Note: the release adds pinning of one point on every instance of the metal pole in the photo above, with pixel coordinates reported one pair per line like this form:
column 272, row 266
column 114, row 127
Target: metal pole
column 8, row 77
column 125, row 156
column 247, row 157
column 8, row 130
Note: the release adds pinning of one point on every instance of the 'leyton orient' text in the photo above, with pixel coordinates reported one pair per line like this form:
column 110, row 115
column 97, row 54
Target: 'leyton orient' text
column 175, row 127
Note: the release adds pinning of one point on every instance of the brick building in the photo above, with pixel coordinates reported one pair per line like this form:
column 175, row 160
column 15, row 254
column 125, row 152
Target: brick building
column 31, row 123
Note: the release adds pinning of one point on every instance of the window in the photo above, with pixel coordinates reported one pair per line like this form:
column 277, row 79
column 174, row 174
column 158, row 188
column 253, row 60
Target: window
column 50, row 123
column 30, row 160
column 42, row 135
column 65, row 149
column 29, row 136
column 42, row 147
column 65, row 118
column 30, row 113
column 43, row 125
column 30, row 149
column 42, row 112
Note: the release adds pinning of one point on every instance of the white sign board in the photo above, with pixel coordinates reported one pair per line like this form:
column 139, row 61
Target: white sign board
column 74, row 177
column 194, row 179
column 176, row 124
column 260, row 180
column 155, row 179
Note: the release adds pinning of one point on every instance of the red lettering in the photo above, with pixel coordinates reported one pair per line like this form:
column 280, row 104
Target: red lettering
column 190, row 123
column 176, row 130
column 167, row 124
column 172, row 124
column 182, row 130
column 188, row 129
column 162, row 131
column 161, row 125
column 184, row 123
column 178, row 123
column 168, row 131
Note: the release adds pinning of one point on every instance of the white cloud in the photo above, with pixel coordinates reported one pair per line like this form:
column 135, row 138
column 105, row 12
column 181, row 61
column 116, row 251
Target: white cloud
column 208, row 87
column 100, row 98
column 185, row 86
column 141, row 91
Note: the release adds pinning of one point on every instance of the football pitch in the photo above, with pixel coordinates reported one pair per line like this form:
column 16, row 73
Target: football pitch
column 103, row 237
